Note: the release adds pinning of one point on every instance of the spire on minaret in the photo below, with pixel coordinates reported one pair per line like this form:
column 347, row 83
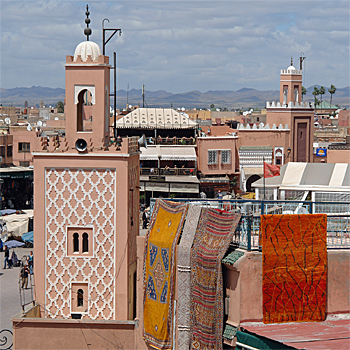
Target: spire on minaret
column 87, row 30
column 291, row 60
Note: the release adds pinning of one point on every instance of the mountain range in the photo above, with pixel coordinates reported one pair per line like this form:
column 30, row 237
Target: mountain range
column 241, row 99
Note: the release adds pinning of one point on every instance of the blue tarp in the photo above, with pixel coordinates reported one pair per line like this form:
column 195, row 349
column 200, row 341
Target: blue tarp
column 28, row 237
column 7, row 211
column 13, row 244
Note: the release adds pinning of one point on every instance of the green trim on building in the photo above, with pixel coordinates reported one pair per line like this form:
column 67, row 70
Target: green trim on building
column 258, row 342
column 229, row 332
column 232, row 257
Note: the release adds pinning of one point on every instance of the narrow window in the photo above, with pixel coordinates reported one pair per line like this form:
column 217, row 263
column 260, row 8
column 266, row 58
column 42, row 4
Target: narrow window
column 85, row 242
column 80, row 297
column 80, row 111
column 212, row 157
column 285, row 93
column 76, row 242
column 226, row 156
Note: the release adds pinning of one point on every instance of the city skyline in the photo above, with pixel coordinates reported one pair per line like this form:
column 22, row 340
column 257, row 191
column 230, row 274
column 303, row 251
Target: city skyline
column 179, row 46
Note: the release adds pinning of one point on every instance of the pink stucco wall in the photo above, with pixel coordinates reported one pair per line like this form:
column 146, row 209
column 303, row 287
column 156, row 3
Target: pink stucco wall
column 88, row 74
column 273, row 138
column 338, row 156
column 292, row 117
column 116, row 252
column 216, row 143
column 36, row 333
column 21, row 134
column 243, row 283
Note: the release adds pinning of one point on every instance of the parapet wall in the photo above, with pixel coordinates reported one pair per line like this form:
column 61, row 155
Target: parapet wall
column 243, row 283
column 296, row 104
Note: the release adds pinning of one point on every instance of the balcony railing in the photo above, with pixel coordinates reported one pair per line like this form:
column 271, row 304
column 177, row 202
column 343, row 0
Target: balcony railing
column 168, row 171
column 170, row 141
column 247, row 235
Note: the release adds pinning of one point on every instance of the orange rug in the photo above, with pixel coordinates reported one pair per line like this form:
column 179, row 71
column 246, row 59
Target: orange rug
column 294, row 249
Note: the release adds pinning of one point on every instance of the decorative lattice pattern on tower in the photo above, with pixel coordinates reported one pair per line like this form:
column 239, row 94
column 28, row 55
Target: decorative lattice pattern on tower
column 80, row 197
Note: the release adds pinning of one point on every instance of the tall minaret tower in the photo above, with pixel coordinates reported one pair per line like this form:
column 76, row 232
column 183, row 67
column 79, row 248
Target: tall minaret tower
column 87, row 93
column 86, row 204
column 293, row 114
column 290, row 85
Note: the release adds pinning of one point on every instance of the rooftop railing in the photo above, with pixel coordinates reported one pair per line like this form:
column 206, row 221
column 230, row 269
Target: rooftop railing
column 168, row 171
column 171, row 141
column 247, row 235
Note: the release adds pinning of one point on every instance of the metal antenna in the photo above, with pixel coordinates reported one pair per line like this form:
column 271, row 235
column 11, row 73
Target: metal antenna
column 87, row 30
column 104, row 43
column 301, row 59
column 104, row 30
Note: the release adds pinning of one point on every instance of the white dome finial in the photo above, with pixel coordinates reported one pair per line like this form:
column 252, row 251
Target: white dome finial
column 85, row 49
column 291, row 67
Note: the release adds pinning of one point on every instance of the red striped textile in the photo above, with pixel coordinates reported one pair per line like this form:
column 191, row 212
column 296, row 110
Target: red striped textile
column 213, row 236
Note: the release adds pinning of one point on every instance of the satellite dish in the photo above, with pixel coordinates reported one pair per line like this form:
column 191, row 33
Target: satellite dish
column 44, row 124
column 39, row 123
column 8, row 121
column 29, row 127
column 56, row 118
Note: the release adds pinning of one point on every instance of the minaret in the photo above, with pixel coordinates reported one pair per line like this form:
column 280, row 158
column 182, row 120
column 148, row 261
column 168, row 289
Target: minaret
column 290, row 85
column 86, row 203
column 294, row 115
column 87, row 93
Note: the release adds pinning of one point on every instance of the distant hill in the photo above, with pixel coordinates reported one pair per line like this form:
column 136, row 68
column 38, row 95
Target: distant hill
column 243, row 98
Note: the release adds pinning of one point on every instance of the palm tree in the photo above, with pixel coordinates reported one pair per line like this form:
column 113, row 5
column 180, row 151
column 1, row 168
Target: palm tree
column 322, row 91
column 316, row 92
column 332, row 91
column 303, row 92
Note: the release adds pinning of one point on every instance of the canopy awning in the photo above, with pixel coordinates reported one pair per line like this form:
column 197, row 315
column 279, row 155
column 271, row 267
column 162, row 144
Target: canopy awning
column 168, row 153
column 319, row 177
column 156, row 118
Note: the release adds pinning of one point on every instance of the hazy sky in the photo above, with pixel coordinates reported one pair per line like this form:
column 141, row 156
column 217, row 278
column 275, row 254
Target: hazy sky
column 180, row 46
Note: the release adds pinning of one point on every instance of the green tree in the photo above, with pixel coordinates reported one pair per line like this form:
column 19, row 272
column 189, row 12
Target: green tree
column 316, row 92
column 212, row 106
column 60, row 107
column 303, row 92
column 322, row 92
column 332, row 91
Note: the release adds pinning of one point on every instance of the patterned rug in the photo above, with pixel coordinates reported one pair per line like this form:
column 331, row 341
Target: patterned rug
column 213, row 236
column 159, row 273
column 184, row 277
column 294, row 249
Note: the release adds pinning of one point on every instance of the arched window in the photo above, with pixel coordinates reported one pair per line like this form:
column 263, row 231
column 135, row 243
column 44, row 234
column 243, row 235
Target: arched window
column 76, row 242
column 296, row 94
column 85, row 242
column 80, row 297
column 84, row 111
column 80, row 110
column 285, row 93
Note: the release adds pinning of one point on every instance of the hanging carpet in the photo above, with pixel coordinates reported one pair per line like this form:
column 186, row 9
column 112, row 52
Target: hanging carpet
column 184, row 276
column 294, row 252
column 159, row 273
column 213, row 236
